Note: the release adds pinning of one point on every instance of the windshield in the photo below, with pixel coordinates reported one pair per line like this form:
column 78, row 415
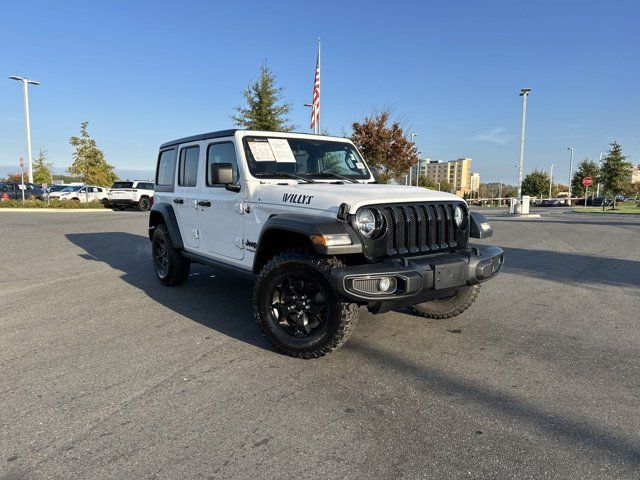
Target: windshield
column 73, row 188
column 320, row 159
column 122, row 185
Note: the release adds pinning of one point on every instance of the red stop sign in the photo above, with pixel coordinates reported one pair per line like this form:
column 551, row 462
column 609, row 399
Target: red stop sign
column 586, row 181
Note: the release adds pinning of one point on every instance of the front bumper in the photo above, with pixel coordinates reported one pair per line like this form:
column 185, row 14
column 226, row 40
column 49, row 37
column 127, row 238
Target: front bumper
column 417, row 279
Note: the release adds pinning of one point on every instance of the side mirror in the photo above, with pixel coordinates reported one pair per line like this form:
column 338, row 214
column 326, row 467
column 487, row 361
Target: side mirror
column 221, row 173
column 480, row 226
column 375, row 173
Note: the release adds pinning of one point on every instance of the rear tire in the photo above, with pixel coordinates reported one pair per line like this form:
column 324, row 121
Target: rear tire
column 143, row 204
column 296, row 308
column 448, row 307
column 170, row 266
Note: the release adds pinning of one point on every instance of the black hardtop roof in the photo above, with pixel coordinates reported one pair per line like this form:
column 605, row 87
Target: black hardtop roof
column 220, row 133
column 202, row 136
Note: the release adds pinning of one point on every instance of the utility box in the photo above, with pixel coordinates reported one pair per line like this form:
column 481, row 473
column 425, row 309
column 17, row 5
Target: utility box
column 520, row 207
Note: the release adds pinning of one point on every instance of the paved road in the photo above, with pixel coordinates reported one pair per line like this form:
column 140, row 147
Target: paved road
column 105, row 374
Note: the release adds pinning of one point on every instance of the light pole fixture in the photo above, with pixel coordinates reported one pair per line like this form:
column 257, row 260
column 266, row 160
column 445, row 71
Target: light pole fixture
column 413, row 135
column 570, row 173
column 524, row 93
column 25, row 94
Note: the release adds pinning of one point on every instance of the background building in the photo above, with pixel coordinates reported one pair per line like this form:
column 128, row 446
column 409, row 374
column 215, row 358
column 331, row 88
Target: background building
column 474, row 184
column 457, row 173
column 635, row 175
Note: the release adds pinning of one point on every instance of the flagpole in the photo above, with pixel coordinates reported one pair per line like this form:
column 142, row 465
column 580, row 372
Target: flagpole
column 319, row 88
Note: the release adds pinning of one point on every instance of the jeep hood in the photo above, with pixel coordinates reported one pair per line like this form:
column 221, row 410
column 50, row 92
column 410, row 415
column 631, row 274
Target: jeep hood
column 329, row 196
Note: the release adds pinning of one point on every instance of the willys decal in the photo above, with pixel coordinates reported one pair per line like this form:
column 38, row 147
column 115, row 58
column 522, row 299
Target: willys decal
column 296, row 198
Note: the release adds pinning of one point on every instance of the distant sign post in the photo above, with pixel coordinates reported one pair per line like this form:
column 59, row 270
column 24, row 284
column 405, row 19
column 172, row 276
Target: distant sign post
column 586, row 181
column 22, row 186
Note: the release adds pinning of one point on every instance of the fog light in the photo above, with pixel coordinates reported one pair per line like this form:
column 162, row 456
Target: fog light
column 387, row 284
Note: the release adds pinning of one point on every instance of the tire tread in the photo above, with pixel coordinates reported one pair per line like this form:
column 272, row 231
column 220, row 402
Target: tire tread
column 348, row 311
column 455, row 311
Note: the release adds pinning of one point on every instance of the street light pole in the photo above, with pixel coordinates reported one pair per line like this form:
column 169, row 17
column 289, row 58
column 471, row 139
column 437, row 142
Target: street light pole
column 524, row 93
column 570, row 174
column 413, row 135
column 25, row 94
column 551, row 181
column 598, row 186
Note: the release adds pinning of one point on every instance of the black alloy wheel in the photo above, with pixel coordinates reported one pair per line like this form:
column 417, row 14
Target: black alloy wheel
column 161, row 257
column 298, row 305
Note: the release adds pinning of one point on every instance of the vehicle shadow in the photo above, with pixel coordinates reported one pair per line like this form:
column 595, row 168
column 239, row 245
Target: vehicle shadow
column 572, row 267
column 211, row 297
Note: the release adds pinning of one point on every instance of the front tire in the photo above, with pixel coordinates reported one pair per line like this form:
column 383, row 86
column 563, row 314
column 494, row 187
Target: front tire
column 448, row 307
column 296, row 308
column 170, row 266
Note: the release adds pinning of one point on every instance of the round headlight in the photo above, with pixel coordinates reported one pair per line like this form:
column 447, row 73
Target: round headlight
column 366, row 223
column 458, row 215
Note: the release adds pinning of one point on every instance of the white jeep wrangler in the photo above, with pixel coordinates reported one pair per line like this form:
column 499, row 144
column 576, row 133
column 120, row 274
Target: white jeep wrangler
column 136, row 193
column 304, row 214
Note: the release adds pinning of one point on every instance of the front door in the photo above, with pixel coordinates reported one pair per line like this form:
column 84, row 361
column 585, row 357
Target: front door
column 186, row 193
column 221, row 223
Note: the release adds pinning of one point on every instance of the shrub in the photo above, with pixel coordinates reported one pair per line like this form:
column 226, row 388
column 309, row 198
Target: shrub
column 44, row 204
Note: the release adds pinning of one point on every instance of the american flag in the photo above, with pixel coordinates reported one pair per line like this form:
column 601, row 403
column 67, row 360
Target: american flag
column 315, row 105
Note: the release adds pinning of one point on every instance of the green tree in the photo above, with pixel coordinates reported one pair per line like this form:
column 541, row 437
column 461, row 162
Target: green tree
column 446, row 187
column 615, row 172
column 384, row 146
column 264, row 110
column 42, row 168
column 586, row 168
column 536, row 184
column 425, row 182
column 88, row 160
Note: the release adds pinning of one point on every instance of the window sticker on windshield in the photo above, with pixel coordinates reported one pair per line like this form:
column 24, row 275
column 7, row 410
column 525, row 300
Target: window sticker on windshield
column 261, row 151
column 282, row 150
column 360, row 165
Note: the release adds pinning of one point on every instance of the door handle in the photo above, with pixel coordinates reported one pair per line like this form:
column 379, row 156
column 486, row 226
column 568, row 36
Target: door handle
column 204, row 203
column 178, row 200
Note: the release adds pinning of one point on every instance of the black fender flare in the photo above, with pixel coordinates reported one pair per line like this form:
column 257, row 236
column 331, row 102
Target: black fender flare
column 308, row 225
column 163, row 213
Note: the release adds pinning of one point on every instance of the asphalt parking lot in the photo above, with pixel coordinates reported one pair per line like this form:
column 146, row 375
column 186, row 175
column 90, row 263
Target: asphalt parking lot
column 106, row 374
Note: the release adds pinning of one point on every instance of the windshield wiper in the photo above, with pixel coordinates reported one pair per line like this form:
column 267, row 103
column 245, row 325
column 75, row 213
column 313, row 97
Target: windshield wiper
column 288, row 175
column 337, row 175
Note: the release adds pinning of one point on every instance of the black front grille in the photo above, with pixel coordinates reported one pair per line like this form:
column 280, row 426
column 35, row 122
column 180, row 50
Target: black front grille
column 419, row 228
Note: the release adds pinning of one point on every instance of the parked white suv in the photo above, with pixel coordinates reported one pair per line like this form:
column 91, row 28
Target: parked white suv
column 136, row 193
column 304, row 215
column 82, row 194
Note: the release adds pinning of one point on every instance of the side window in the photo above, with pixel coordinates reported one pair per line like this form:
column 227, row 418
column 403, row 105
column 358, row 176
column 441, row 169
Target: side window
column 188, row 168
column 224, row 152
column 165, row 174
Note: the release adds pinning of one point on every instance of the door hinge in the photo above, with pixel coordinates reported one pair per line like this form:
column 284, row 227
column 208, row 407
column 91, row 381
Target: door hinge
column 196, row 233
column 239, row 243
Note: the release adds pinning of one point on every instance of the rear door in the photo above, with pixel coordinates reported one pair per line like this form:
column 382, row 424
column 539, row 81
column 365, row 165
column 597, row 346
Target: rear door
column 186, row 193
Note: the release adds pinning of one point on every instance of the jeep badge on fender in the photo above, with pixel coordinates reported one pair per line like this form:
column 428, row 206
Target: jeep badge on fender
column 305, row 216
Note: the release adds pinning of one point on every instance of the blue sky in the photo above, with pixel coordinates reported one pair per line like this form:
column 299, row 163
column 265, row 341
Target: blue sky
column 145, row 72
